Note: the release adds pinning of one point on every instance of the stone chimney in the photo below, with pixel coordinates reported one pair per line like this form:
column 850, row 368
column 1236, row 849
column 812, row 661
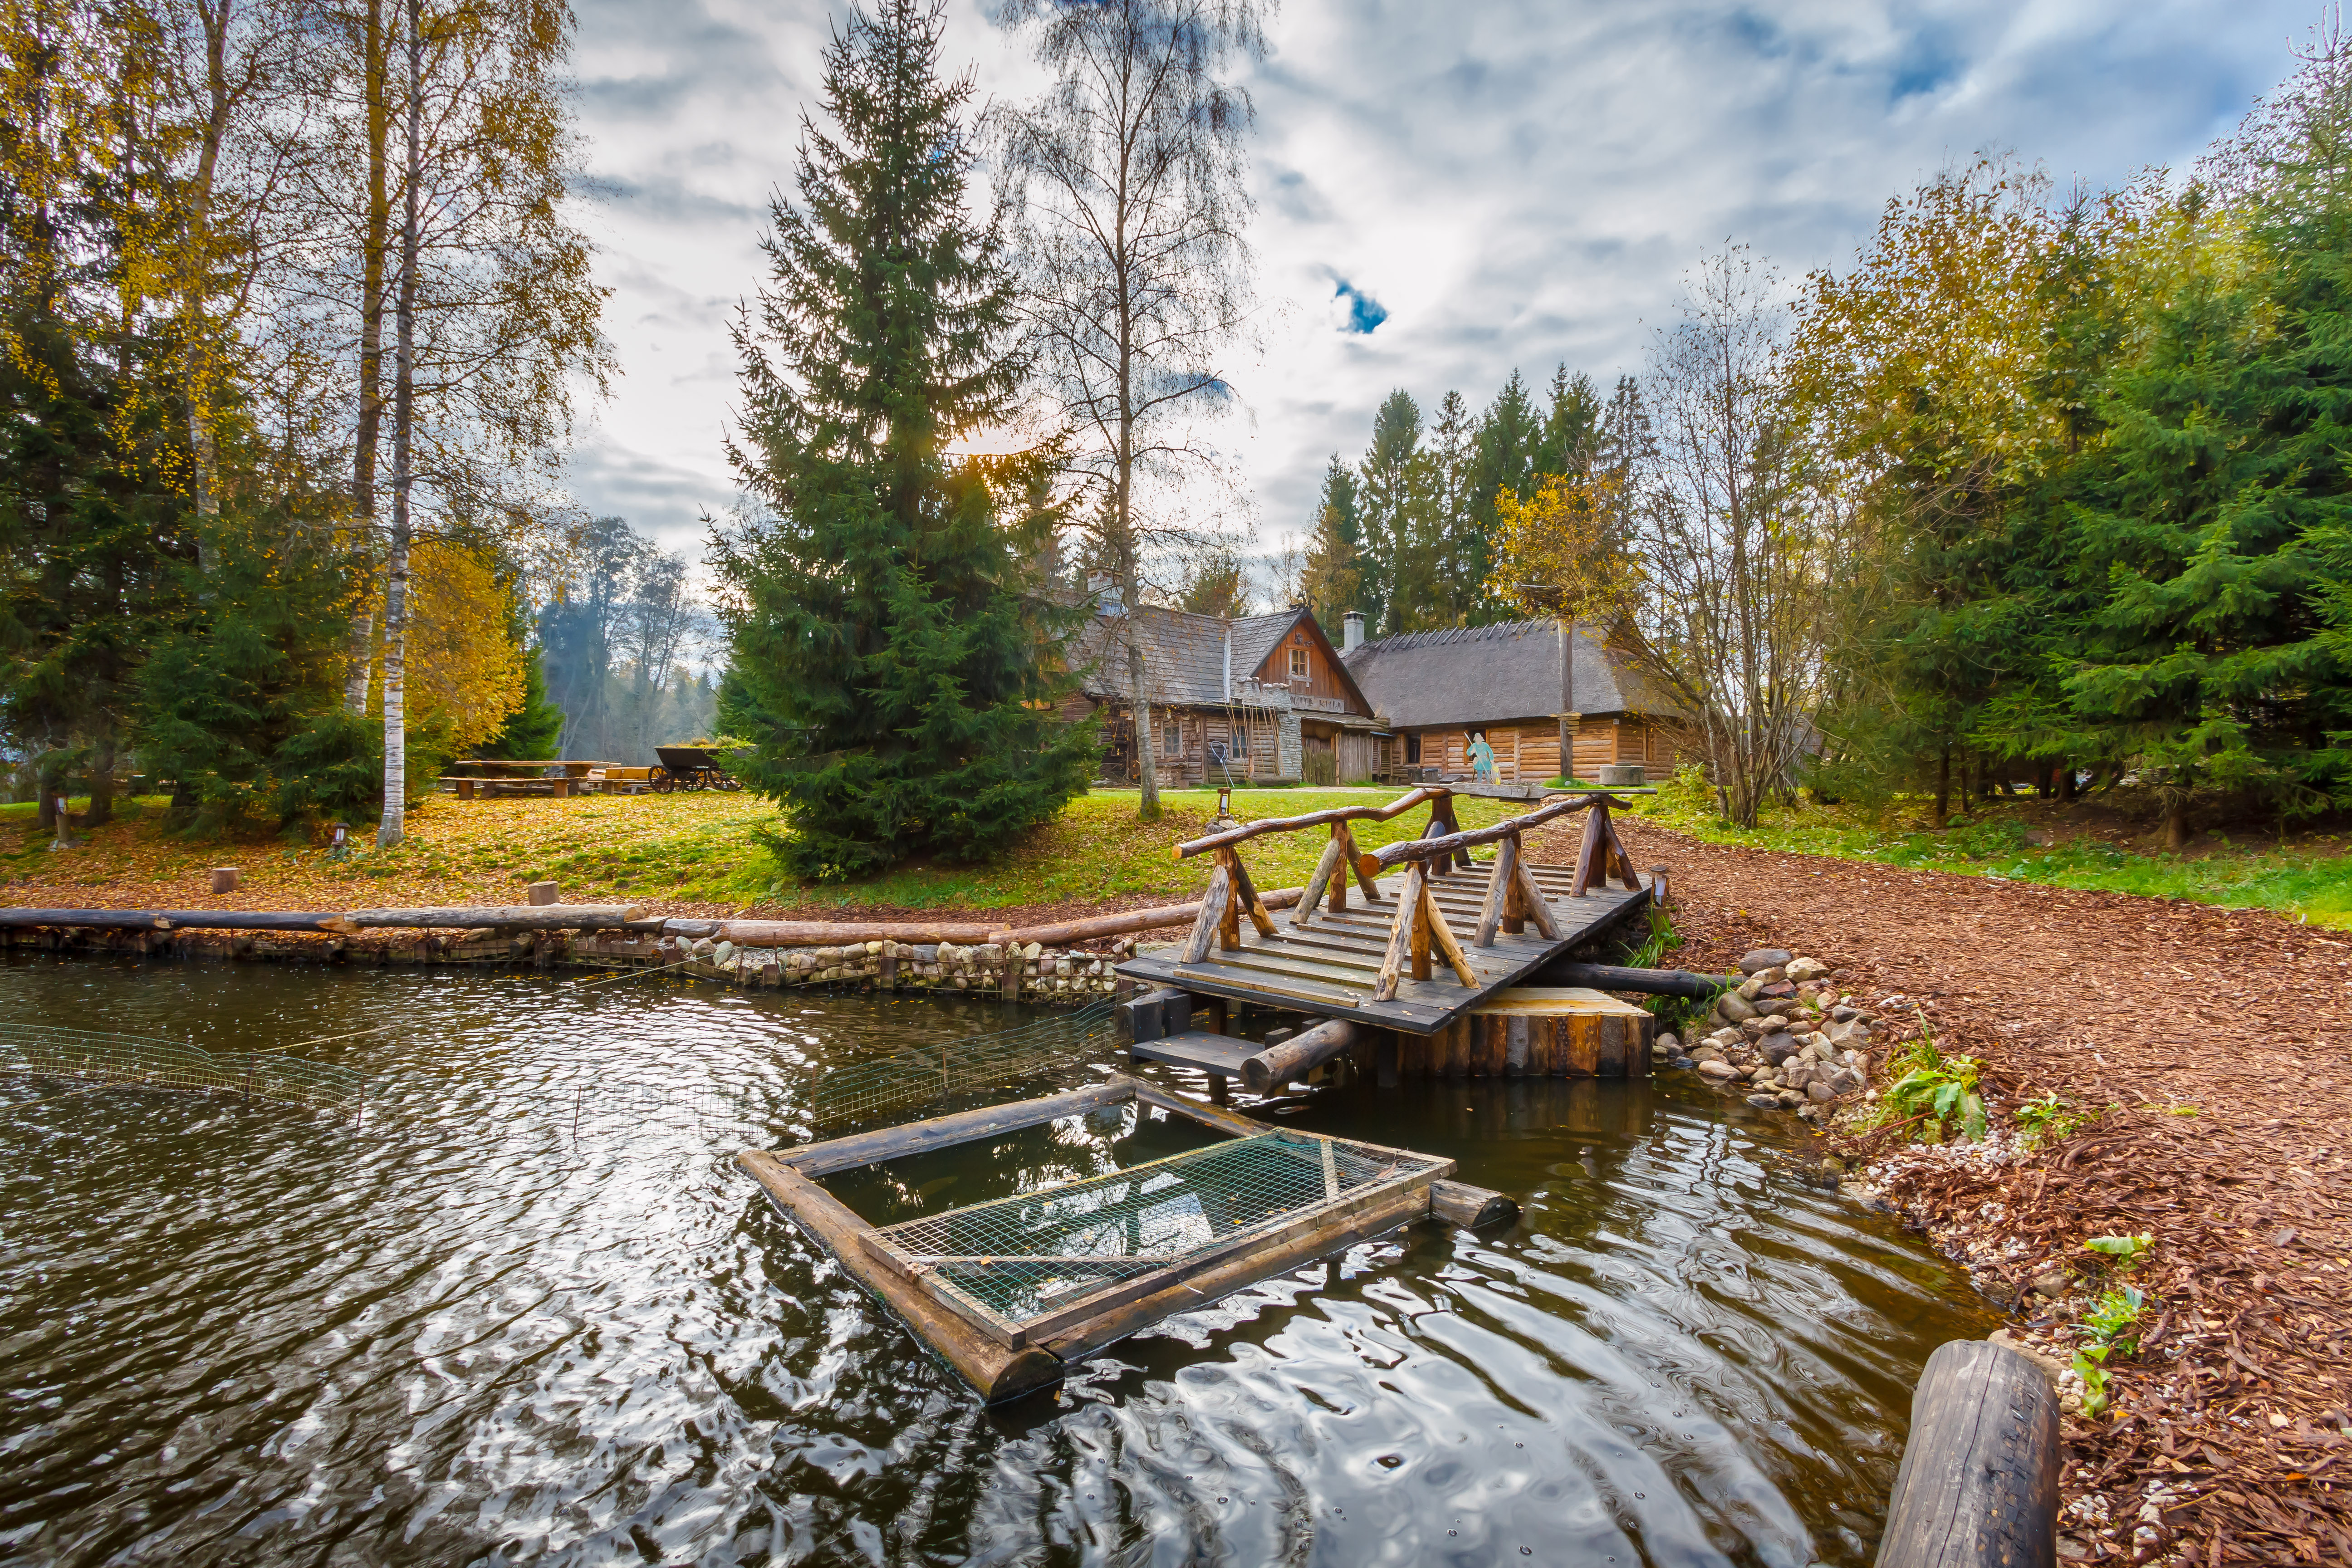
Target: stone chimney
column 1352, row 631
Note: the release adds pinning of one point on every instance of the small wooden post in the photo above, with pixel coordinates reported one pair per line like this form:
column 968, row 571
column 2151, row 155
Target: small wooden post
column 1401, row 934
column 1212, row 918
column 887, row 975
column 1588, row 849
column 223, row 879
column 1247, row 901
column 1500, row 885
column 1420, row 918
column 1340, row 853
column 540, row 893
column 1434, row 920
column 1372, row 887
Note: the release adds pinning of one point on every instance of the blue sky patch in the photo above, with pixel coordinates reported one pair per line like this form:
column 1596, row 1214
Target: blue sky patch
column 1364, row 312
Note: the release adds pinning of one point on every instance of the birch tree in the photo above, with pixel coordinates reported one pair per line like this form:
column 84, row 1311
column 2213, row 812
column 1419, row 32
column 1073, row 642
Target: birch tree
column 1128, row 173
column 1734, row 532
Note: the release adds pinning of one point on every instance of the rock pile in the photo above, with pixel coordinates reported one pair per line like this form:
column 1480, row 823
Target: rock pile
column 1033, row 972
column 1787, row 1038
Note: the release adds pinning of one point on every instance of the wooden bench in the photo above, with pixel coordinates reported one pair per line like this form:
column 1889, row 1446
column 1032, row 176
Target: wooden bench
column 468, row 787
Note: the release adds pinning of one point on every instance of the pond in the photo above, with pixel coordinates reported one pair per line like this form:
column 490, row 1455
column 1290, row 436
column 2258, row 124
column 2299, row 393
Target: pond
column 518, row 1315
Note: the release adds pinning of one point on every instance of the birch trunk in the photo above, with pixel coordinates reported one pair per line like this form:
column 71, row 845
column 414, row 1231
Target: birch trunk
column 1147, row 746
column 403, row 412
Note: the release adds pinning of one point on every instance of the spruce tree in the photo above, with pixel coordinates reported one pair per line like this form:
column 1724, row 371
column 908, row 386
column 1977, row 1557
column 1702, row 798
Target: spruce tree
column 1333, row 582
column 894, row 661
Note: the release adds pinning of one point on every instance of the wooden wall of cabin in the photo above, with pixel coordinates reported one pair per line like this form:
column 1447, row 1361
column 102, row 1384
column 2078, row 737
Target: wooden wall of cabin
column 1320, row 680
column 1531, row 753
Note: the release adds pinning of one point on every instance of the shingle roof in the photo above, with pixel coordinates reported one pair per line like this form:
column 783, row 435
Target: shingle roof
column 1482, row 675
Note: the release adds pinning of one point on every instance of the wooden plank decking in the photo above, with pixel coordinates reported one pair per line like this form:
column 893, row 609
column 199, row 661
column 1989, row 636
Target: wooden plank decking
column 1329, row 966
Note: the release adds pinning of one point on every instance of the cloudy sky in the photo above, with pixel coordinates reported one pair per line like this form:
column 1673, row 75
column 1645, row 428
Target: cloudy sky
column 1485, row 186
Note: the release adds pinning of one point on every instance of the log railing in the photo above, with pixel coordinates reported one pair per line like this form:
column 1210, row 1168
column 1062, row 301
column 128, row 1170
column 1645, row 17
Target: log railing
column 1418, row 931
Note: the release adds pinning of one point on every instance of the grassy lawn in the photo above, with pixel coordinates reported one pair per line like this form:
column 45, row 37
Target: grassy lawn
column 2103, row 842
column 700, row 849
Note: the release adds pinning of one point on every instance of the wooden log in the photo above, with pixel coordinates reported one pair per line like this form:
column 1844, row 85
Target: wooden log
column 1581, row 1045
column 998, row 1372
column 1533, row 905
column 222, row 879
column 1646, row 982
column 1419, row 924
column 1230, row 837
column 1224, row 1121
column 1401, row 934
column 1588, row 848
column 1499, row 883
column 1246, row 893
column 1978, row 1483
column 1298, row 1055
column 172, row 919
column 1447, row 942
column 1460, row 1203
column 1211, row 919
column 510, row 917
column 1450, row 844
column 1304, row 911
column 1367, row 881
column 944, row 1131
column 541, row 894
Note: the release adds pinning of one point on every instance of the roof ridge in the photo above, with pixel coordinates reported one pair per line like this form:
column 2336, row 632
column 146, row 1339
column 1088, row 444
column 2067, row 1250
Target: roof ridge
column 1441, row 635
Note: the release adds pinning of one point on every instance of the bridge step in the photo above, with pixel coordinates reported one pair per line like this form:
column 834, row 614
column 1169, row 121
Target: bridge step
column 1198, row 1049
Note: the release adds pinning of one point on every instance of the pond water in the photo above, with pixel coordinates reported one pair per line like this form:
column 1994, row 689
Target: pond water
column 520, row 1316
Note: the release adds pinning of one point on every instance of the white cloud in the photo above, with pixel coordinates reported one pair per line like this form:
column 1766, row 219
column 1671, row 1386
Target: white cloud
column 1515, row 183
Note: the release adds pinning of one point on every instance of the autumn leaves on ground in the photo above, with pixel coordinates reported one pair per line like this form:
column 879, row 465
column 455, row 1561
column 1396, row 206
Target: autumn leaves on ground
column 697, row 854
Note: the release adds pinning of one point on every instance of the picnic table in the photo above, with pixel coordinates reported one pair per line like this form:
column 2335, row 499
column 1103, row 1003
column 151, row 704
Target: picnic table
column 489, row 776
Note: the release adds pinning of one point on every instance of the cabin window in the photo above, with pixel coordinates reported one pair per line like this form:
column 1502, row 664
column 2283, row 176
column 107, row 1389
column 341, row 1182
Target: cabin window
column 1172, row 743
column 1413, row 751
column 1299, row 664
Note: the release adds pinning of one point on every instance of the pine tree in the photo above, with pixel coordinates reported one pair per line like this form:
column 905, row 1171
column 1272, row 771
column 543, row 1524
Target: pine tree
column 893, row 674
column 1389, row 479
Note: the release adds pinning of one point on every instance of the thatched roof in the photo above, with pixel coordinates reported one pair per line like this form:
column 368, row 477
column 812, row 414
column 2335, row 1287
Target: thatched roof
column 1485, row 675
column 1185, row 656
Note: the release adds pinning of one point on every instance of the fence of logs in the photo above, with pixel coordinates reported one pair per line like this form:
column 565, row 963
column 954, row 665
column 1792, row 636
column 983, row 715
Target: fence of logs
column 1418, row 929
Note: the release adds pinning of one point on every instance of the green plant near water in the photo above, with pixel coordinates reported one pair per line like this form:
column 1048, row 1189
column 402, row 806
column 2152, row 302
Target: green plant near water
column 2046, row 1119
column 2110, row 1325
column 2126, row 1250
column 1937, row 1090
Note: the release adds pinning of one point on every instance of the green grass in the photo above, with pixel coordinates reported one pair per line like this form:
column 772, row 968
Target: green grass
column 2311, row 879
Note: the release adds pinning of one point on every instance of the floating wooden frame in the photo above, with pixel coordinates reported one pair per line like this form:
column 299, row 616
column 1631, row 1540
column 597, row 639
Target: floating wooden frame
column 1006, row 1352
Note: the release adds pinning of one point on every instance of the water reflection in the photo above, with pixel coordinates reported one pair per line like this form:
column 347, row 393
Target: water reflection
column 468, row 1333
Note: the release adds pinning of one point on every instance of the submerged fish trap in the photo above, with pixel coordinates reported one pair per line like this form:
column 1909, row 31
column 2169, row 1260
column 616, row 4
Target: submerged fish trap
column 1011, row 1290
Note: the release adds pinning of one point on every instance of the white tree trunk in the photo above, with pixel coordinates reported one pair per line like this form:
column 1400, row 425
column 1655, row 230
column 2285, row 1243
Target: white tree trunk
column 404, row 411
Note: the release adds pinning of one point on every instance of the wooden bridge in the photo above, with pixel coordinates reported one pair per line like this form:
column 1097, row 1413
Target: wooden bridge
column 1426, row 943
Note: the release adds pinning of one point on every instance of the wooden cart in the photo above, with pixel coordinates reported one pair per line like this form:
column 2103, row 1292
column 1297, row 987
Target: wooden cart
column 690, row 767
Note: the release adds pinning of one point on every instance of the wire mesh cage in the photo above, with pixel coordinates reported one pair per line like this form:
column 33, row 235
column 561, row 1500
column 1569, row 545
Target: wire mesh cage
column 924, row 1074
column 111, row 1060
column 1022, row 1258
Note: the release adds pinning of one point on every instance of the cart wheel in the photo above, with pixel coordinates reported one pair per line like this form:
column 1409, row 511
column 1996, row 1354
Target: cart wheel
column 696, row 781
column 727, row 781
column 661, row 781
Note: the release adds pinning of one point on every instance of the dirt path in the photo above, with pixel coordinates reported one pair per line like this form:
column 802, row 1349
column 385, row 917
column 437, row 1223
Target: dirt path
column 2237, row 1405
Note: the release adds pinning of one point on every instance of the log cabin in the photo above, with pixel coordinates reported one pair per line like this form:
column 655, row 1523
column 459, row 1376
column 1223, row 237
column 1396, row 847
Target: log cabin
column 1433, row 691
column 1266, row 697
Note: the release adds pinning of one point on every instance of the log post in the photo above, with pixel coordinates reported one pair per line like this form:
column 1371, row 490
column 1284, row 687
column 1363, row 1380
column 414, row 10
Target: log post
column 1500, row 885
column 1297, row 1056
column 1447, row 942
column 1367, row 881
column 1587, row 849
column 1978, row 1484
column 1212, row 918
column 1247, row 899
column 1534, row 905
column 1401, row 934
column 223, row 879
column 540, row 893
column 1419, row 918
column 1460, row 1203
column 1327, row 873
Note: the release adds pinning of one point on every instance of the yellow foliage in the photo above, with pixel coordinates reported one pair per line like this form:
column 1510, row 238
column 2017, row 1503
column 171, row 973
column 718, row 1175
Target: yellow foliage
column 465, row 671
column 1563, row 551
